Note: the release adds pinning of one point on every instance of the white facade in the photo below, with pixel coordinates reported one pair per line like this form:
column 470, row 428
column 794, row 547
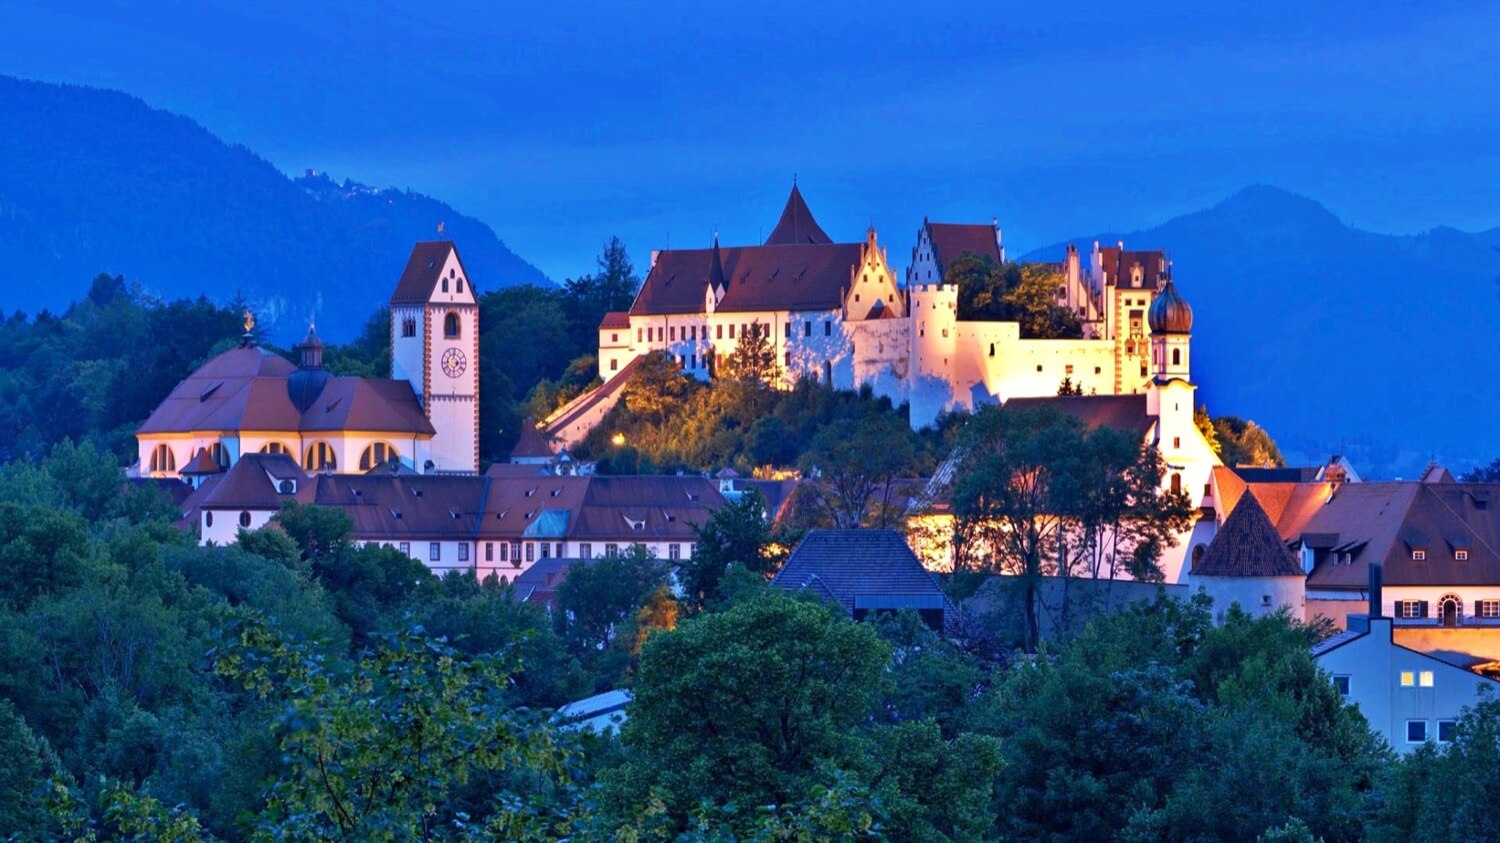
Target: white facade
column 1257, row 596
column 1408, row 697
column 435, row 346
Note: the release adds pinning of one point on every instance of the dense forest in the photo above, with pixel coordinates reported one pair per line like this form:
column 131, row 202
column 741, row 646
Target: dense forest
column 296, row 687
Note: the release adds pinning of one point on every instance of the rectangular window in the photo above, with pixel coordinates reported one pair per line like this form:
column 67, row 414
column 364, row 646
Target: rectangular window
column 1489, row 608
column 406, row 548
column 559, row 550
column 1411, row 609
column 614, row 338
column 788, row 331
column 789, row 358
column 1408, row 679
column 463, row 551
column 505, row 551
column 1342, row 684
column 1461, row 555
column 1424, row 679
column 614, row 365
column 827, row 327
column 807, row 328
column 674, row 551
column 435, row 551
column 731, row 331
column 611, row 550
column 531, row 551
column 489, row 551
column 1446, row 730
column 546, row 550
column 1419, row 556
column 1176, row 441
column 673, row 333
column 515, row 554
column 1416, row 731
column 585, row 551
column 638, row 333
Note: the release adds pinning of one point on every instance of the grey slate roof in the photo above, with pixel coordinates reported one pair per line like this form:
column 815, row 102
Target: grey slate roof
column 860, row 569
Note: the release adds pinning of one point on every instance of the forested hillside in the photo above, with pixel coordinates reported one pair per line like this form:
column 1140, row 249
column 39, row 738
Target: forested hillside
column 97, row 181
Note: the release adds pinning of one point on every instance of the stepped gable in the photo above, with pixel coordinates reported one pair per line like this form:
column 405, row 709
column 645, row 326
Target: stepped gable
column 424, row 266
column 1247, row 546
column 1121, row 412
column 950, row 240
column 797, row 226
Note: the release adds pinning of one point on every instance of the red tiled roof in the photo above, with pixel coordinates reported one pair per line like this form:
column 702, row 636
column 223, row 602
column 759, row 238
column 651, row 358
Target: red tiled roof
column 254, row 483
column 1247, row 546
column 202, row 463
column 1117, row 264
column 758, row 278
column 615, row 319
column 949, row 240
column 422, row 271
column 1122, row 412
column 349, row 403
column 797, row 226
column 531, row 443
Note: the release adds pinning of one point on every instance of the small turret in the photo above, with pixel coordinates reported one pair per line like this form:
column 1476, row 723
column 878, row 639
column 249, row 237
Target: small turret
column 305, row 385
column 1170, row 313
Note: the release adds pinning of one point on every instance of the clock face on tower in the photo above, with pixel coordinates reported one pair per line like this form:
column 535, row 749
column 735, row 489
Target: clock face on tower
column 454, row 363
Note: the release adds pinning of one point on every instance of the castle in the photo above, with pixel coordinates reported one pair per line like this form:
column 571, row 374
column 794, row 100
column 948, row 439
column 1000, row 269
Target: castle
column 835, row 312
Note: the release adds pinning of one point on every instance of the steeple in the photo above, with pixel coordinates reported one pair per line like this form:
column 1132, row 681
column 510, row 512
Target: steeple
column 796, row 225
column 716, row 269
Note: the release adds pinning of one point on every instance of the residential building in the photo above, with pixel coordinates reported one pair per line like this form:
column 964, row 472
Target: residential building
column 864, row 571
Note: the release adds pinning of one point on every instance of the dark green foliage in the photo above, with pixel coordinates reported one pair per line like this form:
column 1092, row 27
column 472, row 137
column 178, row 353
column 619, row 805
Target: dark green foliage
column 600, row 596
column 1012, row 292
column 1484, row 473
column 1243, row 442
column 735, row 536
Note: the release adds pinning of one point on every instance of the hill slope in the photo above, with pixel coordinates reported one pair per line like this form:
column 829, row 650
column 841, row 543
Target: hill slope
column 1335, row 337
column 97, row 181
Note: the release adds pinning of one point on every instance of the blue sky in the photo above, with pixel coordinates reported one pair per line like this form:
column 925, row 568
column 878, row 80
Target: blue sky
column 561, row 124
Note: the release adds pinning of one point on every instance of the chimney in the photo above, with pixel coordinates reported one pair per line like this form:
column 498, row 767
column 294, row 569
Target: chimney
column 1376, row 598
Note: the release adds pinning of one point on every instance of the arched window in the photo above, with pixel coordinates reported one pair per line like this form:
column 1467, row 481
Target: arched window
column 219, row 453
column 274, row 448
column 245, row 519
column 409, row 327
column 320, row 456
column 208, row 518
column 1176, row 357
column 450, row 326
column 1198, row 552
column 162, row 459
column 1176, row 483
column 1450, row 609
column 376, row 455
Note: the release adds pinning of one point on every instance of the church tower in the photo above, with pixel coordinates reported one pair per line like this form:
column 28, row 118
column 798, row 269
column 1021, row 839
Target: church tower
column 435, row 346
column 1171, row 321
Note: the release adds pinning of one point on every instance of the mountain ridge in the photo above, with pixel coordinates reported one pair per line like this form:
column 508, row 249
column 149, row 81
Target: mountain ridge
column 100, row 181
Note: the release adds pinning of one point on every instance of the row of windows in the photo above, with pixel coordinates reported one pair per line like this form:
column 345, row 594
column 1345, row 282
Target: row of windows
column 452, row 326
column 1460, row 554
column 1416, row 678
column 512, row 551
column 1417, row 732
column 208, row 519
column 690, row 332
column 321, row 456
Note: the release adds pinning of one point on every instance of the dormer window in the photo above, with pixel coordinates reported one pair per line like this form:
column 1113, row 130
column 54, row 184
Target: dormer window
column 1461, row 555
column 287, row 487
column 1418, row 555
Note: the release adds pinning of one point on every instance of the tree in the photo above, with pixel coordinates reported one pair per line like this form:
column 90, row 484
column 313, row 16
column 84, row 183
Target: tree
column 854, row 465
column 1067, row 387
column 29, row 763
column 749, row 706
column 658, row 388
column 982, row 285
column 1243, row 442
column 612, row 287
column 1484, row 474
column 1033, row 303
column 735, row 534
column 599, row 596
column 382, row 749
column 753, row 360
column 1445, row 793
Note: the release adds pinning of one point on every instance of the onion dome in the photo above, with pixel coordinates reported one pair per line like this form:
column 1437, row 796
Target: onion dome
column 1170, row 313
column 305, row 385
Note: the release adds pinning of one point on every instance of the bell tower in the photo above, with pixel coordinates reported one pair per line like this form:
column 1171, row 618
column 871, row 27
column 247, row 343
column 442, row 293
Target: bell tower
column 435, row 346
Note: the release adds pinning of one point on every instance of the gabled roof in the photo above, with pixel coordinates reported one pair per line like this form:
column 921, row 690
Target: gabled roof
column 422, row 271
column 350, row 403
column 1117, row 266
column 202, row 463
column 797, row 226
column 531, row 444
column 616, row 319
column 254, row 483
column 757, row 278
column 1122, row 412
column 392, row 508
column 950, row 240
column 1247, row 546
column 860, row 567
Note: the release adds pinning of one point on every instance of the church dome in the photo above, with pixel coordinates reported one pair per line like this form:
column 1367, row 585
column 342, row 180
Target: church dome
column 1170, row 312
column 305, row 385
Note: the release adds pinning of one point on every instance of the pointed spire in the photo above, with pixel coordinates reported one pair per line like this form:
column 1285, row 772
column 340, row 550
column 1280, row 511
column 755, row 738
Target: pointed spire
column 796, row 225
column 716, row 269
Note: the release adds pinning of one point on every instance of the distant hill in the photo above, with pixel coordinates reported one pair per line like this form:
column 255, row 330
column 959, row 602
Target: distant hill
column 1387, row 346
column 97, row 181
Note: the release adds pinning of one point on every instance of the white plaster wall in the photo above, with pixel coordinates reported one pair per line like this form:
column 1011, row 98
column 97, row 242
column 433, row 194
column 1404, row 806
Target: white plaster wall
column 1257, row 596
column 406, row 352
column 222, row 526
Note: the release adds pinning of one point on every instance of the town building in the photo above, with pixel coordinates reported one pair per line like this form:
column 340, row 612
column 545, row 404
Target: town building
column 248, row 400
column 835, row 312
column 1247, row 564
column 864, row 571
column 1408, row 696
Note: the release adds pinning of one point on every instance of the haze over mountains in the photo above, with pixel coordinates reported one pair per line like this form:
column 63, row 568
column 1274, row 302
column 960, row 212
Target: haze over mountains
column 1384, row 346
column 97, row 181
column 1333, row 338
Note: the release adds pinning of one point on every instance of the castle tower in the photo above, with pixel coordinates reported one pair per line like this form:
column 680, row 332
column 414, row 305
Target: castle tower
column 435, row 346
column 1171, row 321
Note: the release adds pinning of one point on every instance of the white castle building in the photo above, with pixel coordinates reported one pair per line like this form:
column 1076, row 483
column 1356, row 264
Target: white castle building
column 835, row 312
column 424, row 418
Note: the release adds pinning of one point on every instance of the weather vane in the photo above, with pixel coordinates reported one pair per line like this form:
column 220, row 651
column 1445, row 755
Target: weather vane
column 249, row 321
column 440, row 228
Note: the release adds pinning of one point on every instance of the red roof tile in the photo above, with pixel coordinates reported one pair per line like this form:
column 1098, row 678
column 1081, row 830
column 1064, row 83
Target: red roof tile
column 1247, row 546
column 531, row 444
column 422, row 271
column 1117, row 265
column 1122, row 412
column 615, row 319
column 797, row 226
column 757, row 278
column 950, row 240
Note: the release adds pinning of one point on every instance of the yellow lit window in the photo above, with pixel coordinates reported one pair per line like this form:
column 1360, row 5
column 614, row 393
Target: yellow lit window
column 1425, row 679
column 1408, row 679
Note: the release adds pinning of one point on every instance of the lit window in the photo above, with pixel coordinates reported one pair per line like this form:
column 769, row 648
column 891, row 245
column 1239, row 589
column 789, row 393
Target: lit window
column 1408, row 679
column 1419, row 555
column 1425, row 679
column 1416, row 731
column 1461, row 555
column 1446, row 730
column 1342, row 684
column 320, row 456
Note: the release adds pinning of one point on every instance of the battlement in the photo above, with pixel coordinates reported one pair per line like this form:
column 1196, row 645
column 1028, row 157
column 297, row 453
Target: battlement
column 932, row 288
